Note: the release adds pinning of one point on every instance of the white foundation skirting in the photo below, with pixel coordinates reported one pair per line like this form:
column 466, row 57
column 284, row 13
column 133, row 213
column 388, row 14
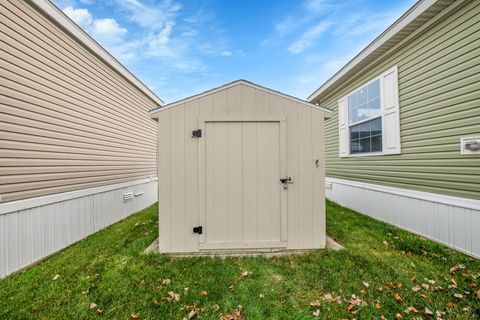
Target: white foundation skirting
column 452, row 221
column 33, row 229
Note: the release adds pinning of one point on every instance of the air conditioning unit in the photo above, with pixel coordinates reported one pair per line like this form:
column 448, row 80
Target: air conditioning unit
column 470, row 145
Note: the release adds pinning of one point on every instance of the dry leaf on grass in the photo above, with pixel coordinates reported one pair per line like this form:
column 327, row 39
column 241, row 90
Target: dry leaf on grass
column 378, row 305
column 316, row 313
column 428, row 313
column 93, row 305
column 416, row 288
column 166, row 282
column 455, row 268
column 398, row 316
column 450, row 304
column 458, row 295
column 172, row 296
column 100, row 311
column 366, row 284
column 56, row 277
column 411, row 309
column 398, row 298
column 204, row 293
column 477, row 293
column 134, row 316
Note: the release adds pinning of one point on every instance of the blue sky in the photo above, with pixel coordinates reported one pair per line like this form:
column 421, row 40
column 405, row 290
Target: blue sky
column 180, row 48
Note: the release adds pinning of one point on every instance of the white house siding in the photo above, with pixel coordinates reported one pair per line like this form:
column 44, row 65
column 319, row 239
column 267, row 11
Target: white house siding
column 452, row 221
column 31, row 234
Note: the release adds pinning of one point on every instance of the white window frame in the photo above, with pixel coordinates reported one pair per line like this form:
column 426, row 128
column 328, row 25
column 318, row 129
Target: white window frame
column 392, row 111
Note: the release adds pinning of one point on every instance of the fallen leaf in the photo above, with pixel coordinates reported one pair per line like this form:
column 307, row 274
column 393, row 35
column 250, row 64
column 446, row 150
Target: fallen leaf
column 366, row 284
column 458, row 295
column 477, row 293
column 398, row 298
column 261, row 296
column 465, row 274
column 473, row 285
column 414, row 277
column 436, row 289
column 100, row 311
column 363, row 291
column 192, row 314
column 316, row 303
column 428, row 313
column 316, row 313
column 155, row 301
column 216, row 307
column 185, row 290
column 34, row 310
column 450, row 304
column 55, row 278
column 455, row 268
column 398, row 316
column 416, row 288
column 439, row 313
column 134, row 316
column 399, row 285
column 378, row 305
column 431, row 281
column 411, row 309
column 93, row 305
column 204, row 293
column 166, row 281
column 383, row 318
column 246, row 274
column 425, row 286
column 172, row 296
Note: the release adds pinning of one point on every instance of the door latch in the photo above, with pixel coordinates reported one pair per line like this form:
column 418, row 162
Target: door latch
column 198, row 230
column 286, row 181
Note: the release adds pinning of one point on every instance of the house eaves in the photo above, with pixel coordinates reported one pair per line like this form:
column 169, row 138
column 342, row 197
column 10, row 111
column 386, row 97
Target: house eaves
column 52, row 12
column 417, row 16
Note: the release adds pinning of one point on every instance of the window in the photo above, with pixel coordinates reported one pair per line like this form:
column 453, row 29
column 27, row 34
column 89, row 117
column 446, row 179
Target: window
column 365, row 119
column 369, row 118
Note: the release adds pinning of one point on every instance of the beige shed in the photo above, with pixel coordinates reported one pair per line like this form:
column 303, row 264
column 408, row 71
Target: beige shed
column 240, row 168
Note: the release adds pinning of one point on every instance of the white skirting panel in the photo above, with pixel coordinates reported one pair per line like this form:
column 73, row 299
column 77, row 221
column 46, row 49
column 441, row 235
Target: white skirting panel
column 452, row 221
column 32, row 229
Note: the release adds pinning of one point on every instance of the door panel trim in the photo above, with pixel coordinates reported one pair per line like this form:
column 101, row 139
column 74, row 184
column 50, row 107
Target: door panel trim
column 242, row 245
column 202, row 180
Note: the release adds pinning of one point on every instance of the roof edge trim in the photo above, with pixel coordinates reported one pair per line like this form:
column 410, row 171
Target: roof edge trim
column 415, row 11
column 154, row 112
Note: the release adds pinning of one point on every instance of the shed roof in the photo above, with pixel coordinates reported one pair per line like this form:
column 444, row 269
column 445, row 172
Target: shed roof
column 154, row 112
column 416, row 17
column 56, row 15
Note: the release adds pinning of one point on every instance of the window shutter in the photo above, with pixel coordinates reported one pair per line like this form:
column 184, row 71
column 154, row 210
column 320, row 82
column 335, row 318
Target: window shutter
column 343, row 139
column 390, row 112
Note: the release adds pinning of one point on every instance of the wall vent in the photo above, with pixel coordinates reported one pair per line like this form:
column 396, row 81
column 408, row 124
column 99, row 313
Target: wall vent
column 470, row 145
column 128, row 196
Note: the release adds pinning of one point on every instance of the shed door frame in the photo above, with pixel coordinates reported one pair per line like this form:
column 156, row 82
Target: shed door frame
column 283, row 170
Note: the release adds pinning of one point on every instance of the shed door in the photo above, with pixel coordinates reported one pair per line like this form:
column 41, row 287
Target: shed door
column 243, row 193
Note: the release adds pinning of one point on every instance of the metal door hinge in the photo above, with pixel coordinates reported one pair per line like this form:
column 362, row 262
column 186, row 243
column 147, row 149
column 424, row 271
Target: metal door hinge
column 197, row 133
column 198, row 230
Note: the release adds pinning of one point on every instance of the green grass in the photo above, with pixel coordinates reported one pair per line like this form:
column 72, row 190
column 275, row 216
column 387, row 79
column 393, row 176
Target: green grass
column 110, row 270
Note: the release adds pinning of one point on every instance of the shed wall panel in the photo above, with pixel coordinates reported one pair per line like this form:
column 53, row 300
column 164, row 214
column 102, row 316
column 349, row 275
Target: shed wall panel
column 181, row 201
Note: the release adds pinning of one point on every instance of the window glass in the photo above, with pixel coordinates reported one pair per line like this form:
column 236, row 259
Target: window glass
column 366, row 137
column 364, row 103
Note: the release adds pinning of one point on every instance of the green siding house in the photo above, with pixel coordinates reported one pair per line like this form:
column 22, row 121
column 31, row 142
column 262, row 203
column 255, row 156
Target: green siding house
column 403, row 144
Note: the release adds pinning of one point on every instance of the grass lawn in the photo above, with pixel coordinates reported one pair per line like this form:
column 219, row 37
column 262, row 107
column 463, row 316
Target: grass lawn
column 388, row 271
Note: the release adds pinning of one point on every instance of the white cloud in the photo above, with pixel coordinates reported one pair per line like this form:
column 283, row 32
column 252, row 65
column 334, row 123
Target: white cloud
column 307, row 39
column 226, row 53
column 108, row 31
column 80, row 16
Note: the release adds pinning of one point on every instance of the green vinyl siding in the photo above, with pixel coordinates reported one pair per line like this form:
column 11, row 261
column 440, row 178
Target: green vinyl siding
column 439, row 91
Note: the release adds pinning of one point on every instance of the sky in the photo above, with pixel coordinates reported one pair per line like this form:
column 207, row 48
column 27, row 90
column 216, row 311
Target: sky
column 181, row 48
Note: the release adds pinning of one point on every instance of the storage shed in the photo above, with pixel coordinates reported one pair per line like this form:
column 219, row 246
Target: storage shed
column 240, row 168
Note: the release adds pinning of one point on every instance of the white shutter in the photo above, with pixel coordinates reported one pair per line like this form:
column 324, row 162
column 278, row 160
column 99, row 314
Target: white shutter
column 390, row 112
column 343, row 139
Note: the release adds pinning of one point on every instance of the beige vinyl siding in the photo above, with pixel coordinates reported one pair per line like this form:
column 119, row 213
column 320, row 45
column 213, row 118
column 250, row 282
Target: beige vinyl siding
column 68, row 120
column 439, row 91
column 182, row 164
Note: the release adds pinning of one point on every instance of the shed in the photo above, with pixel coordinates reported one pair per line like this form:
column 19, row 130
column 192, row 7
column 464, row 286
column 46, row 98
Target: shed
column 240, row 168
